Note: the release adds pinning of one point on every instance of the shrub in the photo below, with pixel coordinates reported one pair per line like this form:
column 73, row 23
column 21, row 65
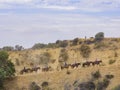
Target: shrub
column 44, row 58
column 96, row 75
column 63, row 57
column 87, row 86
column 100, row 86
column 67, row 86
column 117, row 88
column 34, row 86
column 68, row 72
column 100, row 45
column 99, row 36
column 7, row 68
column 63, row 44
column 109, row 76
column 17, row 62
column 112, row 61
column 51, row 45
column 8, row 48
column 45, row 84
column 105, row 82
column 115, row 54
column 85, row 50
column 75, row 41
column 39, row 46
column 103, row 85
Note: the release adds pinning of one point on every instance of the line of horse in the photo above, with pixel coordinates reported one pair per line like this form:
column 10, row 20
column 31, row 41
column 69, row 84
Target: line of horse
column 34, row 69
column 84, row 64
column 65, row 66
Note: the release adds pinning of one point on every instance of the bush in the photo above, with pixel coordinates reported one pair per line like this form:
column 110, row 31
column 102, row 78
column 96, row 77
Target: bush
column 96, row 75
column 105, row 82
column 8, row 48
column 34, row 86
column 87, row 86
column 51, row 45
column 17, row 62
column 109, row 76
column 103, row 85
column 63, row 44
column 100, row 45
column 39, row 46
column 115, row 54
column 67, row 86
column 117, row 88
column 63, row 57
column 68, row 72
column 7, row 68
column 112, row 61
column 44, row 58
column 75, row 41
column 85, row 50
column 45, row 84
column 99, row 36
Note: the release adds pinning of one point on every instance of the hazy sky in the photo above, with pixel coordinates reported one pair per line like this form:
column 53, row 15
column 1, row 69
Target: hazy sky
column 26, row 22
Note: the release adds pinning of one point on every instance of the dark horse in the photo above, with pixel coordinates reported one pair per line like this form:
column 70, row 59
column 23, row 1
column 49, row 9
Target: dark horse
column 35, row 69
column 87, row 63
column 75, row 65
column 45, row 69
column 97, row 62
column 25, row 70
column 65, row 66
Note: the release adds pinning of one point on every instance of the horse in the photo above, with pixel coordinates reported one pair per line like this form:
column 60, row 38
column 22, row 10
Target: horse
column 96, row 62
column 65, row 66
column 75, row 65
column 87, row 63
column 35, row 69
column 25, row 70
column 45, row 69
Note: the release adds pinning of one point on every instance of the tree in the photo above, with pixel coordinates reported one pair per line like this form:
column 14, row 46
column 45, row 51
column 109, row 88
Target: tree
column 63, row 44
column 8, row 48
column 6, row 68
column 19, row 48
column 44, row 58
column 99, row 36
column 34, row 86
column 75, row 41
column 85, row 51
column 39, row 46
column 63, row 56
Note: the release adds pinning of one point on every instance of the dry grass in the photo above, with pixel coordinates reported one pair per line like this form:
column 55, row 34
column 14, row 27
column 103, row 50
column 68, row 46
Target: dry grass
column 58, row 79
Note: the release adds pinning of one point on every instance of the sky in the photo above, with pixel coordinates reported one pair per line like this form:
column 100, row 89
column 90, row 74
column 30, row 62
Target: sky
column 26, row 22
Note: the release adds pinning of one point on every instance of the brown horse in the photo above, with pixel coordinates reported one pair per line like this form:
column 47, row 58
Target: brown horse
column 65, row 66
column 96, row 62
column 35, row 69
column 25, row 70
column 75, row 65
column 45, row 69
column 87, row 63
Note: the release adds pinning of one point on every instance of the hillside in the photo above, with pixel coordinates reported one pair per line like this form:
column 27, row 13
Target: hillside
column 107, row 50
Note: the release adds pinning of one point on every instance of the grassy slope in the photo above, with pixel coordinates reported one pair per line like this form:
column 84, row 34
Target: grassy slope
column 58, row 79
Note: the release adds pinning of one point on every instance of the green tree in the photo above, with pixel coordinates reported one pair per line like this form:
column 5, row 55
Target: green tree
column 19, row 48
column 7, row 69
column 39, row 46
column 85, row 51
column 75, row 41
column 99, row 36
column 8, row 48
column 63, row 56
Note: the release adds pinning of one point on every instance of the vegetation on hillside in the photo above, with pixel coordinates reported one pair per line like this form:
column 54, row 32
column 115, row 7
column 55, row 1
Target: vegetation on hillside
column 7, row 69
